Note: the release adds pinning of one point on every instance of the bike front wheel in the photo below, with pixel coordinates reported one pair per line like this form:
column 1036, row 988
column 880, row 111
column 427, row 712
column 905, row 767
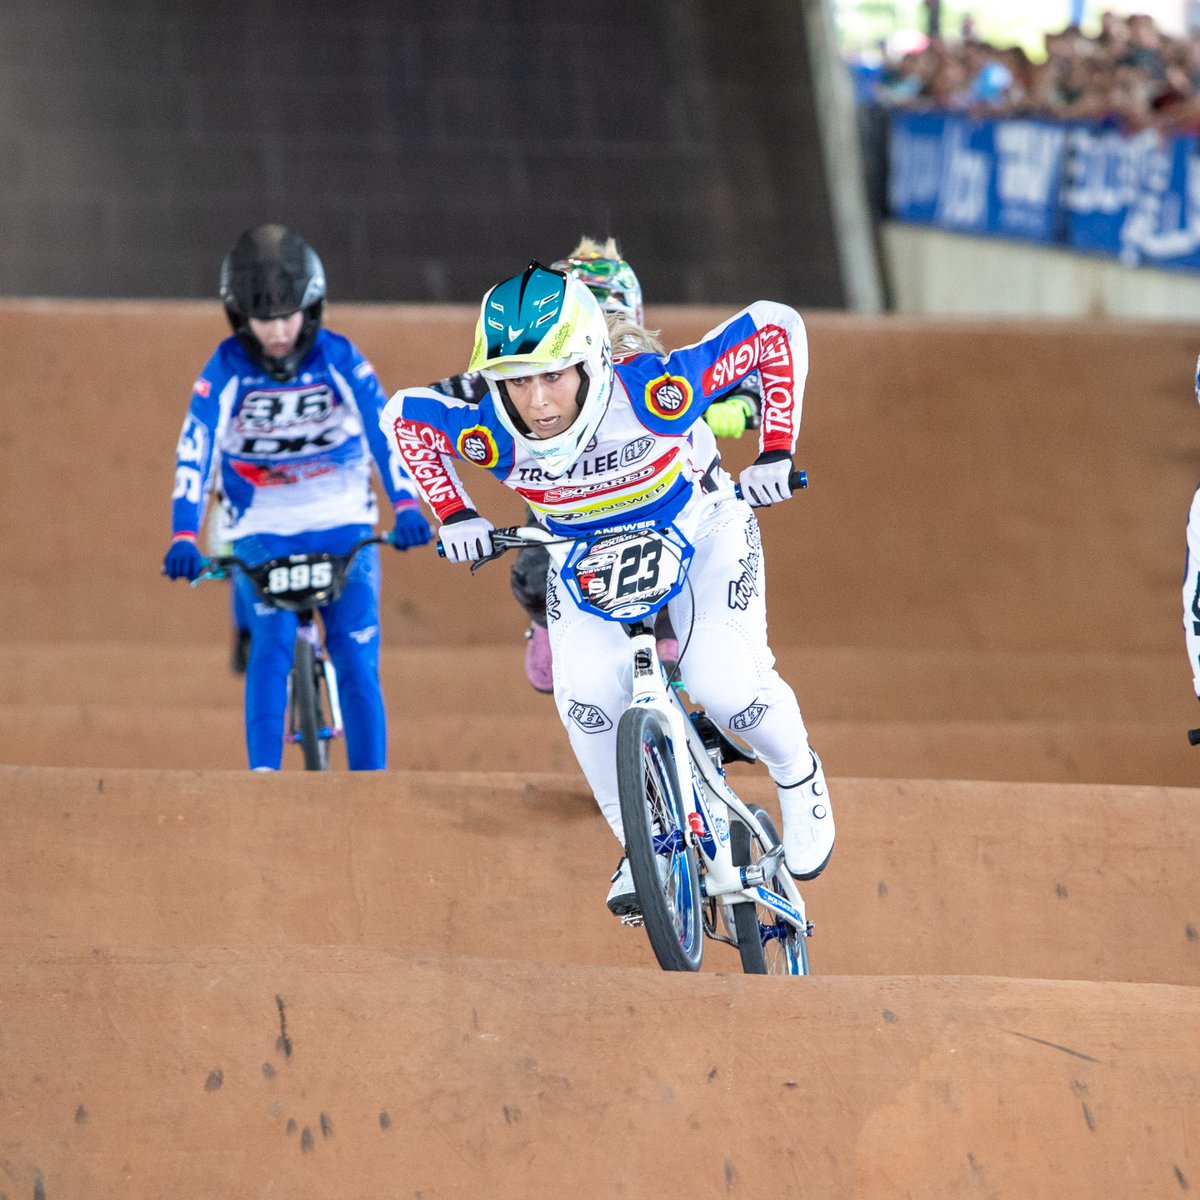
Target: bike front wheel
column 306, row 717
column 768, row 944
column 663, row 864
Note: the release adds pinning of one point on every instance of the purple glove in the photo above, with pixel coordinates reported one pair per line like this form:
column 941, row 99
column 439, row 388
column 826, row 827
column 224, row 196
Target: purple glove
column 183, row 560
column 411, row 529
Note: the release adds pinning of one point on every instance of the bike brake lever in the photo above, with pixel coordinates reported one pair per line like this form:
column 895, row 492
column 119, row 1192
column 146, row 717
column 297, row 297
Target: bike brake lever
column 502, row 541
column 487, row 558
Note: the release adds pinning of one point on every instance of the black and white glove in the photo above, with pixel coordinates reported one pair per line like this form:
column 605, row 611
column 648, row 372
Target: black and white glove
column 765, row 480
column 466, row 536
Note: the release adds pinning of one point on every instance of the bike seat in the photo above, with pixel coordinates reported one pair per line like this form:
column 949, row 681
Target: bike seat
column 715, row 738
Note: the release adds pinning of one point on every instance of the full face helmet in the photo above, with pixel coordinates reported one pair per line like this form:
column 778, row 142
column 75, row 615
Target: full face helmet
column 539, row 321
column 273, row 272
column 607, row 276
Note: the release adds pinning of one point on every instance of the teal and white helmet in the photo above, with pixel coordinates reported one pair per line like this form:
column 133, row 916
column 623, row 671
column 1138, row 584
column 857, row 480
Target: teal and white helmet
column 539, row 321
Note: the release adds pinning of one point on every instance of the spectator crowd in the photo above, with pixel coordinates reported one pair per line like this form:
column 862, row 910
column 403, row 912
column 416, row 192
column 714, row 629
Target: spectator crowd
column 1130, row 74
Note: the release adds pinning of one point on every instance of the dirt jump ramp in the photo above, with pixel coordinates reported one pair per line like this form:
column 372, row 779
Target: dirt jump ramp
column 407, row 985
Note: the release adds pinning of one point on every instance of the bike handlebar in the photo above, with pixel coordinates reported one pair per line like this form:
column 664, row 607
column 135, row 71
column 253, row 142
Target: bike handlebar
column 797, row 481
column 301, row 597
column 510, row 536
column 218, row 566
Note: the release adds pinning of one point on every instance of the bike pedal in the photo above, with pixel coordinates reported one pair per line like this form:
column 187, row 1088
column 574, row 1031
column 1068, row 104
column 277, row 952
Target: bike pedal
column 634, row 920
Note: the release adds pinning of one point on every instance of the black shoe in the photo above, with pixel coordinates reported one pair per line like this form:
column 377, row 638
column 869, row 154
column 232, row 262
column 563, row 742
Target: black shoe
column 241, row 651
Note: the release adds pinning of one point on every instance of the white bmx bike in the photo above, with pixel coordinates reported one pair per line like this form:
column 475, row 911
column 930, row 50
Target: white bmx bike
column 704, row 863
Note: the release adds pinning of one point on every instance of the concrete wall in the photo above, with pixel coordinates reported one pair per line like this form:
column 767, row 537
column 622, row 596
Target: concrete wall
column 931, row 271
column 426, row 150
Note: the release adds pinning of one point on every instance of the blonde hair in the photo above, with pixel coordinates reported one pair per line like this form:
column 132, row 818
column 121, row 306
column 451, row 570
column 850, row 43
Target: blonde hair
column 590, row 248
column 628, row 337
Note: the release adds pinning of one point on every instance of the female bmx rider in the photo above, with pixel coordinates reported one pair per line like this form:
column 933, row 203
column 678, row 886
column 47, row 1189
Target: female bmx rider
column 289, row 414
column 588, row 443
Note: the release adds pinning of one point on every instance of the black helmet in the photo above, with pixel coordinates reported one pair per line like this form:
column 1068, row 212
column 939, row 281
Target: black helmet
column 273, row 272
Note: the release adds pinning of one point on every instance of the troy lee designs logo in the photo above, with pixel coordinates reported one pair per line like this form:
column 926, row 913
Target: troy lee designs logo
column 422, row 447
column 769, row 351
column 668, row 396
column 748, row 718
column 632, row 451
column 745, row 585
column 553, row 604
column 588, row 717
column 478, row 446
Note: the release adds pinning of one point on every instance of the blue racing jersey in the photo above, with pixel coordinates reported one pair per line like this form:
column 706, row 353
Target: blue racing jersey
column 290, row 457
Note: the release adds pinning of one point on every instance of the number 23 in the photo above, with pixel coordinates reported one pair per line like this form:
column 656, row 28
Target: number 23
column 633, row 558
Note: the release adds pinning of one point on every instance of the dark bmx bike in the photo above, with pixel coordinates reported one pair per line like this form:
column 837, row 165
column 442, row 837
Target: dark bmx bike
column 302, row 584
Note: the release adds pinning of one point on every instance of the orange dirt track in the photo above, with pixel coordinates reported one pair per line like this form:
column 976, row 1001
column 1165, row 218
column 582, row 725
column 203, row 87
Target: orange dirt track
column 406, row 984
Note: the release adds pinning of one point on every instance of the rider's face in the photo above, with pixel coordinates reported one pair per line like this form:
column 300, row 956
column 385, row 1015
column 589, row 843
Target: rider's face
column 278, row 335
column 546, row 402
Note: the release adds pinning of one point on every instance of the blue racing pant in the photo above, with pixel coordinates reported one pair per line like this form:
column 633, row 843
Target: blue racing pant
column 351, row 636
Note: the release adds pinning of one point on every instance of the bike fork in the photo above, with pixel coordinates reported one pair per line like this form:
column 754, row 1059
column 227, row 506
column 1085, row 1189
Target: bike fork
column 335, row 704
column 649, row 690
column 308, row 631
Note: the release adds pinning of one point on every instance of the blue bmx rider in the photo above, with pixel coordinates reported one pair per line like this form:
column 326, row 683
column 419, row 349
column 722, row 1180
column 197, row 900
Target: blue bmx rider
column 284, row 421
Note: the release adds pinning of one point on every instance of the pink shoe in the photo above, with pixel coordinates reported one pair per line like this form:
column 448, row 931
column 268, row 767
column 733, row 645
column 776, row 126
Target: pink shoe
column 539, row 663
column 668, row 653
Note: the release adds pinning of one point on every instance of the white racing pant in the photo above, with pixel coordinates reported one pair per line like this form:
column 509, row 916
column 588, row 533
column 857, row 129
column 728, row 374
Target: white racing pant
column 727, row 667
column 1191, row 591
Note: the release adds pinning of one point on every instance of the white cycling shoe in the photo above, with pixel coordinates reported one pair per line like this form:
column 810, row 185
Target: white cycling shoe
column 622, row 897
column 807, row 824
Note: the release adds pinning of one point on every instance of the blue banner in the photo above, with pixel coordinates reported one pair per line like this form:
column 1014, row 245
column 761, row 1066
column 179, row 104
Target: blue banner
column 1087, row 187
column 1002, row 178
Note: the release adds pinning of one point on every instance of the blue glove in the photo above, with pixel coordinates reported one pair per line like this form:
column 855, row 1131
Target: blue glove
column 411, row 529
column 183, row 560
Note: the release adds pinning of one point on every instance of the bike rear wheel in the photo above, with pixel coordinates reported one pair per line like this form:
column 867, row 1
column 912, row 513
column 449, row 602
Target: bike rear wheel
column 663, row 864
column 768, row 944
column 306, row 718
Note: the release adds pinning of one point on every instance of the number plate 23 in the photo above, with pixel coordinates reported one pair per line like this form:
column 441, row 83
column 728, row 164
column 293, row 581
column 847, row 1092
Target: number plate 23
column 626, row 574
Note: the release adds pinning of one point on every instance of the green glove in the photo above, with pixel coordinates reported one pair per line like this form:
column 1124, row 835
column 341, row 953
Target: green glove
column 727, row 418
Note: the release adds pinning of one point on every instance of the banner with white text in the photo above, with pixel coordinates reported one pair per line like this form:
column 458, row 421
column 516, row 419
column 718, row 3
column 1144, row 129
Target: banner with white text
column 1086, row 187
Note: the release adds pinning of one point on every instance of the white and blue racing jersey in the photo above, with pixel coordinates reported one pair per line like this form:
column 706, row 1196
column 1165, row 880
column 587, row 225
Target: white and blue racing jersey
column 651, row 450
column 286, row 458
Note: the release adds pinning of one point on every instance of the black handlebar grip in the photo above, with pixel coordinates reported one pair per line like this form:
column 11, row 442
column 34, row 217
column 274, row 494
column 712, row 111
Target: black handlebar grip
column 797, row 480
column 1194, row 737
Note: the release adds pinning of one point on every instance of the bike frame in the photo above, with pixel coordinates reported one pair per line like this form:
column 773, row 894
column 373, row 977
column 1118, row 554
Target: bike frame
column 709, row 801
